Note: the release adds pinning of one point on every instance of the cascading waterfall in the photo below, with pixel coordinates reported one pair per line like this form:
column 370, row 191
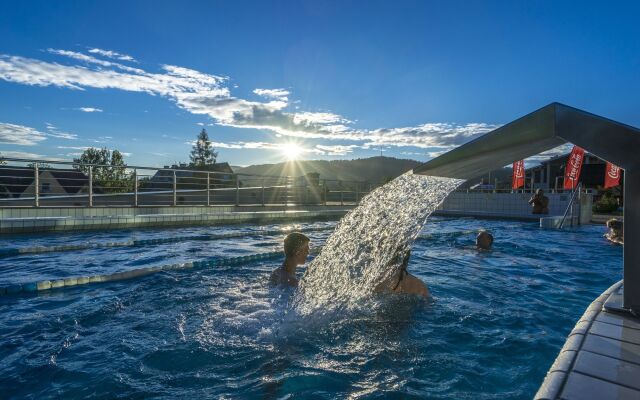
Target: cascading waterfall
column 360, row 252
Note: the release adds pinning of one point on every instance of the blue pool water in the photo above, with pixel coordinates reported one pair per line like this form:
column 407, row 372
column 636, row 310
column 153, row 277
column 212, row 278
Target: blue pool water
column 497, row 321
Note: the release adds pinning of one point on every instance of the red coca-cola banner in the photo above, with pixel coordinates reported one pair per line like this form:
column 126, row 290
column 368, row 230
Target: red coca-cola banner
column 517, row 180
column 611, row 176
column 573, row 168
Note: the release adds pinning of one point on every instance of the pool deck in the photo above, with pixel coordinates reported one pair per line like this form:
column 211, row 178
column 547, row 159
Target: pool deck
column 601, row 357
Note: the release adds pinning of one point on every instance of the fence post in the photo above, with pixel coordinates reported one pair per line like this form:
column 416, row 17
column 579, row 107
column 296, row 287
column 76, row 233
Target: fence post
column 262, row 192
column 175, row 189
column 135, row 187
column 36, row 180
column 357, row 192
column 325, row 192
column 208, row 189
column 90, row 185
column 237, row 191
column 341, row 193
column 286, row 191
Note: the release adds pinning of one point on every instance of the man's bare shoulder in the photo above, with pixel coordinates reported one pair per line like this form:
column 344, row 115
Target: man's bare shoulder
column 280, row 277
column 413, row 285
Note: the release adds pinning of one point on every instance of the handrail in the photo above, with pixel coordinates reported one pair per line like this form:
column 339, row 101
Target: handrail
column 573, row 195
column 164, row 186
column 132, row 167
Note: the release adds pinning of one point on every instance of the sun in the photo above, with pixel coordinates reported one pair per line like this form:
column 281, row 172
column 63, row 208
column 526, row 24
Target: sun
column 291, row 151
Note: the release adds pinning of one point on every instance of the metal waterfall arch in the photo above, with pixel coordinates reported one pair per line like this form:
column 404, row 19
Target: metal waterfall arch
column 544, row 129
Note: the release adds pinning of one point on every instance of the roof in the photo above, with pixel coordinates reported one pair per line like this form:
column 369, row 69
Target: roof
column 541, row 130
column 17, row 179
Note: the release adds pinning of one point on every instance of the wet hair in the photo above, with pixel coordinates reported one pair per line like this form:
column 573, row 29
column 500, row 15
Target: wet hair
column 614, row 224
column 403, row 267
column 482, row 242
column 293, row 242
column 539, row 192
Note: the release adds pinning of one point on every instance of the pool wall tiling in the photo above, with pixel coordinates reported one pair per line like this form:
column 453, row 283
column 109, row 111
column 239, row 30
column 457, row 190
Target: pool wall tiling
column 82, row 218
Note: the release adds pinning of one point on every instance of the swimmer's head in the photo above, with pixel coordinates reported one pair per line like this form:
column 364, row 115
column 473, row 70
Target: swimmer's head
column 539, row 192
column 401, row 257
column 484, row 240
column 614, row 223
column 296, row 246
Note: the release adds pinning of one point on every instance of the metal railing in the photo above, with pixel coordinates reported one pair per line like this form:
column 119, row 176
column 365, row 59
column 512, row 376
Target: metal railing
column 43, row 183
column 575, row 192
column 522, row 191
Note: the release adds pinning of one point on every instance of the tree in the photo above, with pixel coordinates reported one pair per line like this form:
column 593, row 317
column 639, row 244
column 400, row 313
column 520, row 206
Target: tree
column 203, row 153
column 41, row 165
column 109, row 170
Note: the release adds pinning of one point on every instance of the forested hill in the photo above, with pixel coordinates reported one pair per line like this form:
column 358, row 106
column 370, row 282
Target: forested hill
column 374, row 169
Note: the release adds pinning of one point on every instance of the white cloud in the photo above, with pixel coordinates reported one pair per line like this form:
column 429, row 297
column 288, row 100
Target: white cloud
column 89, row 109
column 336, row 150
column 25, row 155
column 280, row 94
column 319, row 118
column 20, row 135
column 73, row 147
column 112, row 54
column 206, row 94
column 551, row 153
column 53, row 131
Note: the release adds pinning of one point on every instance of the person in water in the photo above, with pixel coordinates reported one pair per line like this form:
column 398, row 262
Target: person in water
column 402, row 282
column 540, row 203
column 296, row 250
column 615, row 234
column 484, row 240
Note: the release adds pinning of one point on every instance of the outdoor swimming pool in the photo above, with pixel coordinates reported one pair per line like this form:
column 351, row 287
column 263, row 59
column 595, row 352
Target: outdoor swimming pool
column 496, row 324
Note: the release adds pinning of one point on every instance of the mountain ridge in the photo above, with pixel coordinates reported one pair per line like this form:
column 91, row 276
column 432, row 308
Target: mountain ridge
column 372, row 169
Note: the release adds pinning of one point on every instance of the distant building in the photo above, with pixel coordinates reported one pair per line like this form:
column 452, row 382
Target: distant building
column 189, row 177
column 550, row 174
column 18, row 182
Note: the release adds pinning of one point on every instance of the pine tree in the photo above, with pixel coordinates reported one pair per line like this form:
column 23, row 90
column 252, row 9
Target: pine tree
column 203, row 153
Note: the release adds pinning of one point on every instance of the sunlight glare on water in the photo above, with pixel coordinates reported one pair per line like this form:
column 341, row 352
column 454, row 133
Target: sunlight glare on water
column 360, row 252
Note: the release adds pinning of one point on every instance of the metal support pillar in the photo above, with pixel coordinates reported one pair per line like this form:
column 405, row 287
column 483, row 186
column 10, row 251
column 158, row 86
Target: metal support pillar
column 36, row 180
column 175, row 189
column 237, row 191
column 208, row 189
column 135, row 187
column 631, row 249
column 325, row 191
column 90, row 185
column 286, row 191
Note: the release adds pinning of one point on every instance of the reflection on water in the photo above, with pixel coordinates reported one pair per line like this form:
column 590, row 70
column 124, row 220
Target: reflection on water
column 357, row 256
column 498, row 321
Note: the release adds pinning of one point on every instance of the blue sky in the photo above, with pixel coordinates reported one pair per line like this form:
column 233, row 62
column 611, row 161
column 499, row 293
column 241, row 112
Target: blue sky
column 328, row 80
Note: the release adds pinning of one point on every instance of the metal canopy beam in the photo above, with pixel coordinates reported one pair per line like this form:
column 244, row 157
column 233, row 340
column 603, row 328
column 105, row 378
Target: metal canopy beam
column 544, row 129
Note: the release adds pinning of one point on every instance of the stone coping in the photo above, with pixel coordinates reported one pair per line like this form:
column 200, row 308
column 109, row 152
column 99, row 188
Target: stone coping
column 600, row 359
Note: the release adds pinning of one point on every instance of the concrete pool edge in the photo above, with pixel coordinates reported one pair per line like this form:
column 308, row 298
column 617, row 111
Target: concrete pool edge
column 599, row 357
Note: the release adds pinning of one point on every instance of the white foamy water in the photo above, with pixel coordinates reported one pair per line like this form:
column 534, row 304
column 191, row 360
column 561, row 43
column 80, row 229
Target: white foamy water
column 360, row 252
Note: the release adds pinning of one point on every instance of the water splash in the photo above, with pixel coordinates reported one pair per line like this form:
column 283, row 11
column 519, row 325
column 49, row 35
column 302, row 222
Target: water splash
column 360, row 252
